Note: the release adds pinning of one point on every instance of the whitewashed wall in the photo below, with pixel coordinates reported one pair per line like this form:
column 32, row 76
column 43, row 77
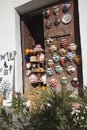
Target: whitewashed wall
column 10, row 39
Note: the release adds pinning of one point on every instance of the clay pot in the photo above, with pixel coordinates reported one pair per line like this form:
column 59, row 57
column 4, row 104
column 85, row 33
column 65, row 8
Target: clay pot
column 77, row 59
column 75, row 82
column 58, row 69
column 64, row 80
column 71, row 69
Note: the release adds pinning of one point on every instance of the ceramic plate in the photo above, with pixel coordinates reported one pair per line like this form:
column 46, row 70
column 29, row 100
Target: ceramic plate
column 66, row 18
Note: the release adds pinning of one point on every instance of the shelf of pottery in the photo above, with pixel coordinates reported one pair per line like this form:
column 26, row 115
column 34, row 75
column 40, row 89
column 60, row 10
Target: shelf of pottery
column 35, row 67
column 61, row 57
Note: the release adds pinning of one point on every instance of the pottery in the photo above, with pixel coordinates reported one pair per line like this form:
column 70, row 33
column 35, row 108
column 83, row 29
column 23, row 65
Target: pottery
column 77, row 59
column 53, row 48
column 33, row 78
column 64, row 43
column 75, row 82
column 58, row 69
column 70, row 56
column 50, row 62
column 43, row 78
column 56, row 21
column 49, row 72
column 71, row 69
column 46, row 13
column 64, row 80
column 62, row 52
column 28, row 65
column 63, row 61
column 49, row 24
column 41, row 57
column 66, row 19
column 56, row 10
column 53, row 83
column 72, row 47
column 49, row 41
column 56, row 58
column 66, row 7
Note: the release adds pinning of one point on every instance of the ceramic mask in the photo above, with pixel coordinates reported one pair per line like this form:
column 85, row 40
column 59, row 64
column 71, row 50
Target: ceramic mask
column 64, row 80
column 62, row 52
column 49, row 72
column 58, row 69
column 56, row 10
column 64, row 43
column 56, row 58
column 70, row 56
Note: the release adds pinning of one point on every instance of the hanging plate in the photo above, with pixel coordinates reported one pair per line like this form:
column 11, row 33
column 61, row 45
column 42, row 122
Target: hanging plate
column 66, row 18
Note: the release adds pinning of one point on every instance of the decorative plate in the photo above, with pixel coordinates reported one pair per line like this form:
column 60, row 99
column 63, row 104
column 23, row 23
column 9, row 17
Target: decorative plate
column 66, row 18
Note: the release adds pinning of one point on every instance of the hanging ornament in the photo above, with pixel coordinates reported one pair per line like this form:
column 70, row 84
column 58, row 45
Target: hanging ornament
column 53, row 83
column 66, row 19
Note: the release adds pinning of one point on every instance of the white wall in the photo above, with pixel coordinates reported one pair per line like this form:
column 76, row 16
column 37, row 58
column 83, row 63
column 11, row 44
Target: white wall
column 10, row 39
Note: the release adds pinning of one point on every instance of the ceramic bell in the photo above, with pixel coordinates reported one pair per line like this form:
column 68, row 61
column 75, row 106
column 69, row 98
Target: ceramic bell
column 53, row 48
column 56, row 10
column 77, row 59
column 62, row 52
column 64, row 43
column 53, row 83
column 49, row 25
column 56, row 21
column 72, row 47
column 64, row 80
column 58, row 69
column 49, row 72
column 66, row 7
column 49, row 41
column 56, row 58
column 50, row 62
column 71, row 69
column 70, row 56
column 46, row 13
column 63, row 61
column 75, row 82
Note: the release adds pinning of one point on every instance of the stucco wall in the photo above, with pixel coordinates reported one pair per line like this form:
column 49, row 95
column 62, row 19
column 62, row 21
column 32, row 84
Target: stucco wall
column 10, row 34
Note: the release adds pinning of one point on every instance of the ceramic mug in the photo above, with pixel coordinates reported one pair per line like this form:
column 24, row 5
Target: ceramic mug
column 58, row 69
